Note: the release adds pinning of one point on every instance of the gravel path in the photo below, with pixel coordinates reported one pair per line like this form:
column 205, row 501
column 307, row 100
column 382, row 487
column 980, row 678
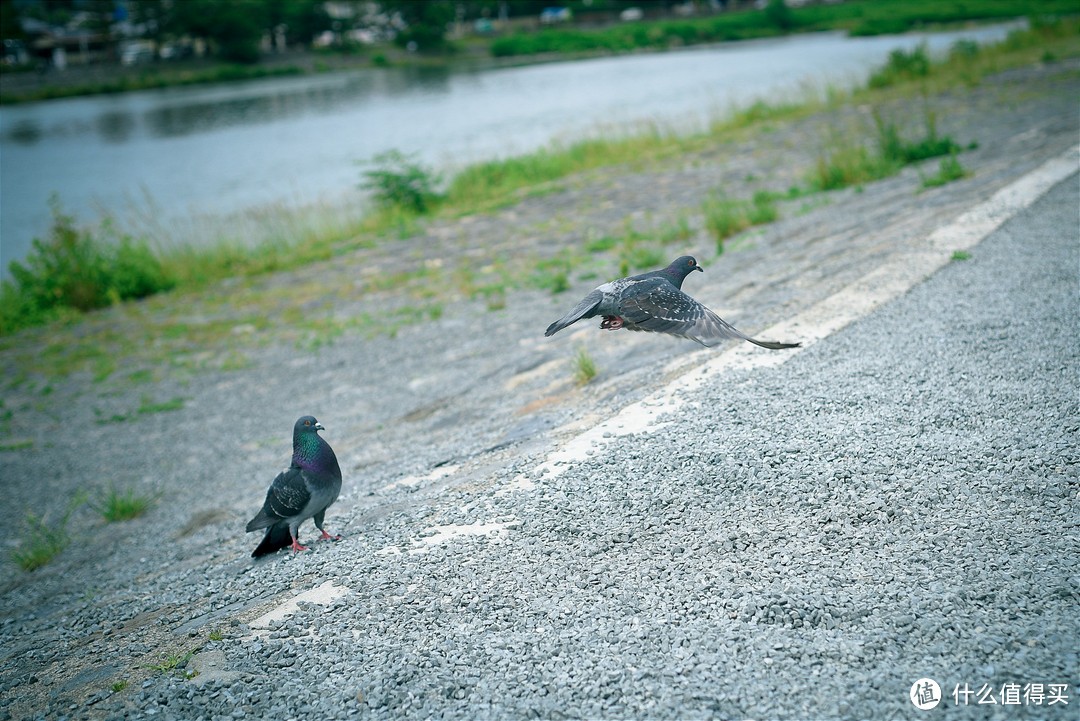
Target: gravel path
column 896, row 501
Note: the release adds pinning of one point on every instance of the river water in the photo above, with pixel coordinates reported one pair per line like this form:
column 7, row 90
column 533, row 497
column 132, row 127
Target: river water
column 192, row 161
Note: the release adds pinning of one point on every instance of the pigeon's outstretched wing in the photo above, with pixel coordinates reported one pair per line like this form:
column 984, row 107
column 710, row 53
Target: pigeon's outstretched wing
column 585, row 309
column 287, row 498
column 658, row 306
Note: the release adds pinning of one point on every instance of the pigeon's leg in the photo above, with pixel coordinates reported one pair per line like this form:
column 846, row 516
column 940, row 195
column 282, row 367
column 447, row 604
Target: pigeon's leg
column 296, row 547
column 318, row 524
column 611, row 322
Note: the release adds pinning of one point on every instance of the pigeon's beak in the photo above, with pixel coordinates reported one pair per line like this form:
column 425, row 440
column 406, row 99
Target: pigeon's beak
column 319, row 426
column 698, row 267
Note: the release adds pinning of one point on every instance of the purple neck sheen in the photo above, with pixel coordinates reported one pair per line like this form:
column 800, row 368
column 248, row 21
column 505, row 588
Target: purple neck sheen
column 311, row 451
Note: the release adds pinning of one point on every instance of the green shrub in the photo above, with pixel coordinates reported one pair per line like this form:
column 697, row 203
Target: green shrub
column 902, row 65
column 399, row 182
column 76, row 269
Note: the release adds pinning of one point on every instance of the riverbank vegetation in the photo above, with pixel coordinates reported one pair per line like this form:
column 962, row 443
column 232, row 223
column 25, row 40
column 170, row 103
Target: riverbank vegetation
column 77, row 269
column 857, row 18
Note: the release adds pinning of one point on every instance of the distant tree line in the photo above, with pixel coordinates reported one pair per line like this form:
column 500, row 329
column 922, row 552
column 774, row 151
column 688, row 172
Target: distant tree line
column 237, row 30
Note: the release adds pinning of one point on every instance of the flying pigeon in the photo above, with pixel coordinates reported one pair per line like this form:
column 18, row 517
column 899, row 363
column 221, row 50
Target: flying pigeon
column 304, row 490
column 655, row 302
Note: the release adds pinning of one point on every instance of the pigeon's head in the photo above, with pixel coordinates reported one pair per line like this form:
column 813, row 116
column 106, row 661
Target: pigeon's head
column 307, row 424
column 308, row 446
column 682, row 267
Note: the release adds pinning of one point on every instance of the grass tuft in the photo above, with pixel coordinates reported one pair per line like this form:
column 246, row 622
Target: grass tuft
column 125, row 504
column 902, row 66
column 173, row 662
column 584, row 367
column 949, row 169
column 724, row 217
column 43, row 541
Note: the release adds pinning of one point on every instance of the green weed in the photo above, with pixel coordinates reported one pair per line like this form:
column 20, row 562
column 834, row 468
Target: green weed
column 148, row 405
column 118, row 686
column 552, row 275
column 894, row 148
column 949, row 169
column 173, row 662
column 118, row 504
column 42, row 540
column 961, row 255
column 602, row 244
column 845, row 165
column 902, row 65
column 584, row 367
column 724, row 217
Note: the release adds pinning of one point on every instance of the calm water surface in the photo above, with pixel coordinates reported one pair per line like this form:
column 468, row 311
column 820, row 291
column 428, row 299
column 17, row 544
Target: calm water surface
column 212, row 152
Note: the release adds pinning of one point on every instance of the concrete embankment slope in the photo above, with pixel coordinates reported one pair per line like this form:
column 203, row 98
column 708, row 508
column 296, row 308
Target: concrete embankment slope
column 720, row 533
column 795, row 540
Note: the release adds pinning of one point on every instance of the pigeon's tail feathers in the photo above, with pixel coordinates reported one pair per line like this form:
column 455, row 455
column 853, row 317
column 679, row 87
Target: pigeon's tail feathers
column 711, row 329
column 263, row 520
column 585, row 309
column 277, row 537
column 774, row 345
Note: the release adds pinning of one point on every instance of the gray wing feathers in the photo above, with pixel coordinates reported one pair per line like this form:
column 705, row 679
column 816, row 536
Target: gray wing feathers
column 581, row 310
column 287, row 497
column 659, row 307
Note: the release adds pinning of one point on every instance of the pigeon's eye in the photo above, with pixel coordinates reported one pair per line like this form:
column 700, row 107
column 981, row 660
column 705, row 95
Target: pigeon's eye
column 691, row 262
column 307, row 423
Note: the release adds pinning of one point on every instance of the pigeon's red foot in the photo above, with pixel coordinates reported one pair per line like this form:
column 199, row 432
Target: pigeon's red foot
column 296, row 547
column 327, row 537
column 611, row 322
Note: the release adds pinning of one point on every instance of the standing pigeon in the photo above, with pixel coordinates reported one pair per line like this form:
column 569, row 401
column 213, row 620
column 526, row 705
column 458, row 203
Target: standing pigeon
column 304, row 490
column 655, row 302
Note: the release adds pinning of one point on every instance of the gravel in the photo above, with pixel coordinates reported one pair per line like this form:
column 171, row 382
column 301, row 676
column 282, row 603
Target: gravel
column 896, row 501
